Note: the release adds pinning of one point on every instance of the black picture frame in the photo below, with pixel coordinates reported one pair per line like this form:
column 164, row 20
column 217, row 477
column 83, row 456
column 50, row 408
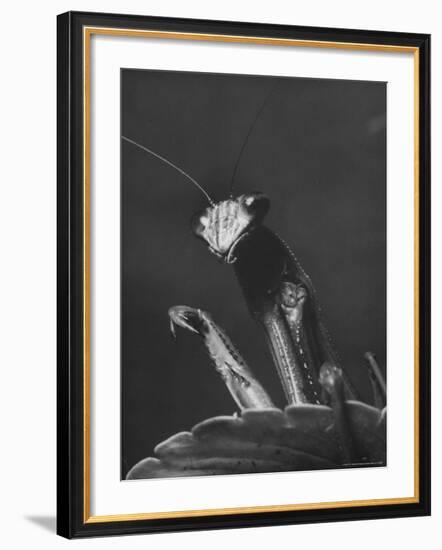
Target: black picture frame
column 73, row 520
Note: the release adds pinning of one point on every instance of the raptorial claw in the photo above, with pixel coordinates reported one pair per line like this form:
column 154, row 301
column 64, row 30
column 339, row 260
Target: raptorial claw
column 238, row 377
column 292, row 351
column 172, row 328
column 185, row 317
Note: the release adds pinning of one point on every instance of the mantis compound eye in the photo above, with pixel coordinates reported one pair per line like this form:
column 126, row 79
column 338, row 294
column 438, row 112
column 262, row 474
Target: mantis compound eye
column 199, row 222
column 257, row 204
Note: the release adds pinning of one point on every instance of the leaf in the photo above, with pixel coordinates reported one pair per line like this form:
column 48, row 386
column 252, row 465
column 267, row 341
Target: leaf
column 302, row 437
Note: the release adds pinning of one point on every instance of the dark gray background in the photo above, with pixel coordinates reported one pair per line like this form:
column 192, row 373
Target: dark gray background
column 318, row 150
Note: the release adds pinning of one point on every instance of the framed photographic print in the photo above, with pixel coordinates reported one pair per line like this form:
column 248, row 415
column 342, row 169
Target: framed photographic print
column 243, row 274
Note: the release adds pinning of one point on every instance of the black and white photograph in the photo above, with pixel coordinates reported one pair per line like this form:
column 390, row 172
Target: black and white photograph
column 253, row 274
column 217, row 259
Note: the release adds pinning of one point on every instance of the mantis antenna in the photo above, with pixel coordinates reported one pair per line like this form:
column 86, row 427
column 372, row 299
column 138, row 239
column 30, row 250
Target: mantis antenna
column 180, row 170
column 249, row 132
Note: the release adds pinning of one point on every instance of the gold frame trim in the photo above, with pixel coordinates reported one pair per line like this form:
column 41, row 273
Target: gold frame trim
column 87, row 34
